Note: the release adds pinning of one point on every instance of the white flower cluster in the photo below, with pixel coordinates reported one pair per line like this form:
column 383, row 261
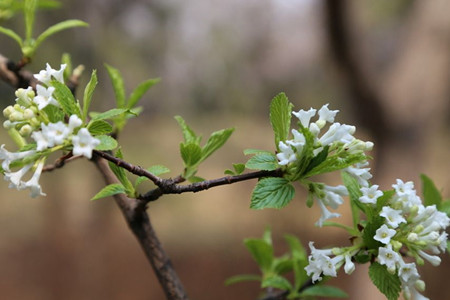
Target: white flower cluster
column 340, row 139
column 27, row 118
column 411, row 226
column 409, row 229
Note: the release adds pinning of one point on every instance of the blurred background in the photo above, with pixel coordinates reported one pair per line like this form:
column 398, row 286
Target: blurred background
column 384, row 64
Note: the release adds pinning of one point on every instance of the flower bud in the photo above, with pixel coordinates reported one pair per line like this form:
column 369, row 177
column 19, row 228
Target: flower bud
column 420, row 285
column 35, row 122
column 7, row 124
column 412, row 237
column 28, row 114
column 16, row 116
column 396, row 245
column 8, row 111
column 25, row 130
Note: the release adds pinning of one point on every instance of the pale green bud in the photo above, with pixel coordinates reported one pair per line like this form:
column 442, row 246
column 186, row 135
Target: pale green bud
column 420, row 261
column 391, row 270
column 28, row 114
column 420, row 285
column 16, row 116
column 25, row 130
column 8, row 111
column 396, row 245
column 412, row 237
column 419, row 228
column 35, row 122
column 7, row 124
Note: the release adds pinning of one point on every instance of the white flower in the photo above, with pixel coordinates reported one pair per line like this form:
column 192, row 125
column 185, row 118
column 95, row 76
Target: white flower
column 338, row 133
column 349, row 266
column 33, row 183
column 55, row 133
column 408, row 272
column 15, row 178
column 393, row 217
column 384, row 234
column 320, row 262
column 286, row 155
column 361, row 174
column 74, row 122
column 41, row 140
column 44, row 97
column 45, row 76
column 432, row 259
column 325, row 213
column 9, row 157
column 305, row 116
column 404, row 188
column 370, row 194
column 388, row 257
column 326, row 115
column 333, row 195
column 84, row 143
column 298, row 142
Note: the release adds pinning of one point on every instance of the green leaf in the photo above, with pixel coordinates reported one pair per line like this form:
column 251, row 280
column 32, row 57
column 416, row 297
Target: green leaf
column 99, row 127
column 190, row 153
column 241, row 278
column 12, row 35
column 335, row 163
column 138, row 92
column 299, row 260
column 370, row 231
column 262, row 161
column 389, row 284
column 110, row 190
column 88, row 91
column 272, row 192
column 29, row 12
column 255, row 151
column 55, row 114
column 215, row 141
column 354, row 192
column 262, row 253
column 282, row 265
column 122, row 176
column 238, row 169
column 445, row 207
column 67, row 60
column 158, row 170
column 57, row 28
column 324, row 291
column 317, row 160
column 106, row 143
column 188, row 134
column 65, row 98
column 109, row 114
column 118, row 85
column 195, row 179
column 276, row 281
column 431, row 194
column 280, row 117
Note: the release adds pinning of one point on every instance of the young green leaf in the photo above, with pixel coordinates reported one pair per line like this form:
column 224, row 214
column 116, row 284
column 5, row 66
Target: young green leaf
column 118, row 85
column 262, row 161
column 324, row 291
column 255, row 151
column 12, row 35
column 99, row 127
column 138, row 92
column 261, row 252
column 276, row 281
column 106, row 143
column 431, row 194
column 110, row 190
column 191, row 153
column 282, row 265
column 109, row 114
column 370, row 231
column 238, row 169
column 299, row 260
column 65, row 98
column 57, row 28
column 317, row 160
column 54, row 113
column 354, row 191
column 272, row 192
column 158, row 170
column 242, row 278
column 29, row 11
column 188, row 134
column 67, row 60
column 389, row 284
column 122, row 176
column 88, row 91
column 215, row 141
column 280, row 117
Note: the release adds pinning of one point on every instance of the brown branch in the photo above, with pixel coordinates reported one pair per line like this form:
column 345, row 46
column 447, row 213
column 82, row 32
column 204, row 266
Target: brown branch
column 60, row 162
column 139, row 223
column 13, row 74
column 171, row 186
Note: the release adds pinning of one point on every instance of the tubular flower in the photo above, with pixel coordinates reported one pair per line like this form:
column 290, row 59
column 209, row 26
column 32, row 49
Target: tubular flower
column 84, row 143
